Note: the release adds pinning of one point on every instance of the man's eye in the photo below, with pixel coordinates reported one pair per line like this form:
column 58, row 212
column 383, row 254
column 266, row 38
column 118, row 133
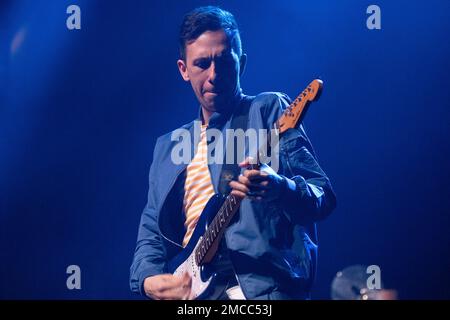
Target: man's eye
column 204, row 64
column 226, row 60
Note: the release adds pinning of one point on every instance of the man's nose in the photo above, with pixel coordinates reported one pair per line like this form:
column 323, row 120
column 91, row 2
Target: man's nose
column 212, row 73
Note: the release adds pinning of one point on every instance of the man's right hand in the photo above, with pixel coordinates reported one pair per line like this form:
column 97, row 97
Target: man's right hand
column 168, row 287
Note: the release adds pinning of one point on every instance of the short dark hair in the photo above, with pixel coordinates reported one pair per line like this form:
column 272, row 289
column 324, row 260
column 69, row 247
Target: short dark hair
column 209, row 18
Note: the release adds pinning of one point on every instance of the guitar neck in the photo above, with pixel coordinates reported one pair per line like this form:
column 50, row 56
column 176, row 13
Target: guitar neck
column 210, row 242
column 206, row 250
column 294, row 113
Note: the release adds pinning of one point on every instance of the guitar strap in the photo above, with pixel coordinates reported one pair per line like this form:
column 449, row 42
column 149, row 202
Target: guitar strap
column 239, row 120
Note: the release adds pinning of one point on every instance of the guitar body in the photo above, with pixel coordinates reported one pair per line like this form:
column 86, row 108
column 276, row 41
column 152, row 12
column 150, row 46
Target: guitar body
column 206, row 283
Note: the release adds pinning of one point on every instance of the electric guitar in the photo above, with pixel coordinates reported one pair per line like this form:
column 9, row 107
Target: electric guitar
column 196, row 257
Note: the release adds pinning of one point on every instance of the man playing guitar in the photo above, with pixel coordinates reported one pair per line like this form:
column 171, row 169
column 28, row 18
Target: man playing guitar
column 262, row 243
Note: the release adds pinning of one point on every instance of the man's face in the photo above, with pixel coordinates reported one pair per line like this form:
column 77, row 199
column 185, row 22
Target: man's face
column 213, row 68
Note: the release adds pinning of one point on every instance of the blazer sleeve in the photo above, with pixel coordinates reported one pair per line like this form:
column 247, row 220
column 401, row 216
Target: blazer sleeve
column 309, row 195
column 149, row 256
column 312, row 197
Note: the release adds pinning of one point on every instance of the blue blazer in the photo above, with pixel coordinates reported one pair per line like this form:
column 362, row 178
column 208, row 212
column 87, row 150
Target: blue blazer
column 272, row 245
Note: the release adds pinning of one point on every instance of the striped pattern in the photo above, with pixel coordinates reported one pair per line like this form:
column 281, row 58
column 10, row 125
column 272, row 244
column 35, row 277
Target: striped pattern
column 198, row 188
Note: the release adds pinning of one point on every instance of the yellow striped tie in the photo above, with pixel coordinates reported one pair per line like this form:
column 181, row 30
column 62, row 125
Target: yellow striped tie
column 198, row 188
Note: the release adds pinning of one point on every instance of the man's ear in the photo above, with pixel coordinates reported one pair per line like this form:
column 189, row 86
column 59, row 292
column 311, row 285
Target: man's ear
column 242, row 64
column 183, row 70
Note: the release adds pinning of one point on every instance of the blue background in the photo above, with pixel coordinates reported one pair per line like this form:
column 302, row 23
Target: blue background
column 80, row 112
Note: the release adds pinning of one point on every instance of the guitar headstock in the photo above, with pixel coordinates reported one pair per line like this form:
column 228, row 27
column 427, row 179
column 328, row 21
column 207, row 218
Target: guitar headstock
column 297, row 108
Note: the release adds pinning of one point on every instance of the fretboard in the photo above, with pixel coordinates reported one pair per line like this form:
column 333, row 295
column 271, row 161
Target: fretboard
column 216, row 228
